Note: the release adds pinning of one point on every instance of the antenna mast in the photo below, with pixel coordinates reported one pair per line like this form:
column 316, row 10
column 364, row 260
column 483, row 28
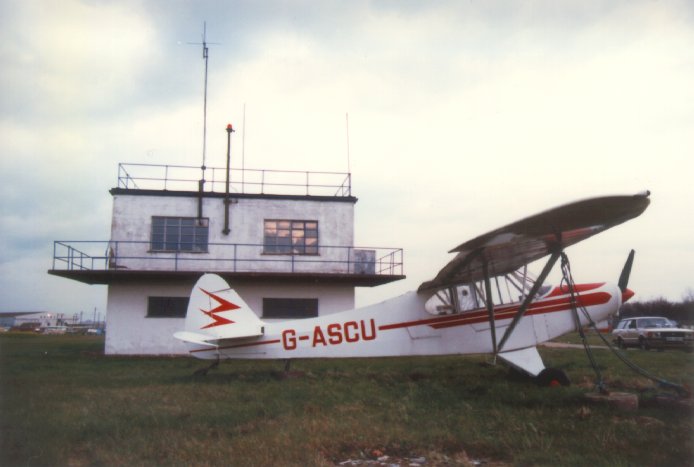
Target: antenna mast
column 349, row 168
column 243, row 152
column 205, row 56
column 201, row 183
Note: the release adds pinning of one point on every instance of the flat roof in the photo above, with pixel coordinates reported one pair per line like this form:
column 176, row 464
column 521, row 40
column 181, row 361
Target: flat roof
column 214, row 194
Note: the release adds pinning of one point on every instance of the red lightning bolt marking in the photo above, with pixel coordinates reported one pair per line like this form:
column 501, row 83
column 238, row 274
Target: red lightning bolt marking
column 224, row 305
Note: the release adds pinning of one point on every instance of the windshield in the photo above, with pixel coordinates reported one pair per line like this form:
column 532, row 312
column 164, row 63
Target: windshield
column 503, row 289
column 656, row 323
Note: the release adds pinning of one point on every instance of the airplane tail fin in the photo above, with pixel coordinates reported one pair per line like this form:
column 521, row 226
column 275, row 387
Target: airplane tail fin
column 216, row 312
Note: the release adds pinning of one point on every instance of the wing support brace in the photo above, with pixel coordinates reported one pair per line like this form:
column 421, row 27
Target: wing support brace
column 490, row 305
column 529, row 298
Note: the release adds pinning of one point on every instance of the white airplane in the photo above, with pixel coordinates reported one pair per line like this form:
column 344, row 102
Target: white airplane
column 483, row 301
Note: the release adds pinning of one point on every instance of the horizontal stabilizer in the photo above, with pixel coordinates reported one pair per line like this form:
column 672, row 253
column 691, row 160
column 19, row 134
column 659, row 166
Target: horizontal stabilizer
column 195, row 338
column 214, row 341
column 243, row 330
column 527, row 360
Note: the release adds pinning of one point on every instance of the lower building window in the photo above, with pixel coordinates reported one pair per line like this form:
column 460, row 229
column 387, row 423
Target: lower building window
column 290, row 308
column 167, row 307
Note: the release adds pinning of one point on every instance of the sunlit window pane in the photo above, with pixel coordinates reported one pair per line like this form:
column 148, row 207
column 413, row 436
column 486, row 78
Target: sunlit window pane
column 290, row 237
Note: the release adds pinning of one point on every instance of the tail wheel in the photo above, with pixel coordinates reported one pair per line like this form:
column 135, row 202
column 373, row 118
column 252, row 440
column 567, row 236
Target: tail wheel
column 553, row 377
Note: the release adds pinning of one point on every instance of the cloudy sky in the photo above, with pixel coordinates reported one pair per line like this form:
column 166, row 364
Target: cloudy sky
column 463, row 116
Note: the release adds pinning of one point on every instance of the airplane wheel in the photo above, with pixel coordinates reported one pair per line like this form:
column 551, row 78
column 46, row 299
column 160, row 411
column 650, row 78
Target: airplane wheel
column 620, row 343
column 553, row 377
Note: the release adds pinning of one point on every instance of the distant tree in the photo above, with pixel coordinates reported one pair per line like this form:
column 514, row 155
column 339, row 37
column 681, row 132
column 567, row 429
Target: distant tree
column 682, row 312
column 688, row 306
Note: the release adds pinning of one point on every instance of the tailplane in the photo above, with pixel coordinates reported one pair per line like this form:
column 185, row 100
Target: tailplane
column 216, row 312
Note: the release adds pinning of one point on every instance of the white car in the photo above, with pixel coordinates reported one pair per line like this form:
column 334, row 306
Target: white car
column 652, row 332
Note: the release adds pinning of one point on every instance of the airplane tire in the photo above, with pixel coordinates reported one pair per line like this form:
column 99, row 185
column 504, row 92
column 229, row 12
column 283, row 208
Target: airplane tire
column 553, row 377
column 621, row 344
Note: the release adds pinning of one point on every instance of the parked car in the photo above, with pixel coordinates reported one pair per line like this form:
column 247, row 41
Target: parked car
column 652, row 332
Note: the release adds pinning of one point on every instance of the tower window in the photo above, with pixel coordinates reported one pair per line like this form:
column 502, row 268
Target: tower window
column 290, row 237
column 179, row 234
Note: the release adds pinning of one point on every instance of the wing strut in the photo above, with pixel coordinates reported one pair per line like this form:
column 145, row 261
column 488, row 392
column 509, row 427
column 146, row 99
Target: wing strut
column 531, row 295
column 490, row 304
column 455, row 303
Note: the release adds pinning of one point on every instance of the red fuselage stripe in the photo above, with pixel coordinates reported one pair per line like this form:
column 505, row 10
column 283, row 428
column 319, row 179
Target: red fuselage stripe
column 537, row 308
column 580, row 288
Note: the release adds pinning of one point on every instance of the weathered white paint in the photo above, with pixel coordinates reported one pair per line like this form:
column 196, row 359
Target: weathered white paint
column 132, row 222
column 129, row 331
column 331, row 298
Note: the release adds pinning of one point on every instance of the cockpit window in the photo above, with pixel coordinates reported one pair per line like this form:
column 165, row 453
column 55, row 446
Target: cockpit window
column 467, row 299
column 504, row 290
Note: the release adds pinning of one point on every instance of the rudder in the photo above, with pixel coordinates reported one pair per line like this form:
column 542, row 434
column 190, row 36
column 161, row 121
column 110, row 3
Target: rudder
column 216, row 312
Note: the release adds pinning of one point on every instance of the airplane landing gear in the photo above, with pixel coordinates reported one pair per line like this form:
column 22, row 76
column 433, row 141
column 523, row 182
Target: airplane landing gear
column 552, row 377
column 203, row 371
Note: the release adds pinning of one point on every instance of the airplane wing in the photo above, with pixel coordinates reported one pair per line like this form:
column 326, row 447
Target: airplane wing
column 508, row 248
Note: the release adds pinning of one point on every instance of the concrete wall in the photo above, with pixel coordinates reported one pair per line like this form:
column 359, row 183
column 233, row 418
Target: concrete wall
column 129, row 331
column 132, row 222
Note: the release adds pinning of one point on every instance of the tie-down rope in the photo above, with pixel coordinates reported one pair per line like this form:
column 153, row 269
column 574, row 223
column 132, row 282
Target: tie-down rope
column 600, row 383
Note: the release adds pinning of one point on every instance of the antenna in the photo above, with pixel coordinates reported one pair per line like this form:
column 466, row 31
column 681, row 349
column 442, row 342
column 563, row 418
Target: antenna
column 205, row 56
column 349, row 169
column 243, row 151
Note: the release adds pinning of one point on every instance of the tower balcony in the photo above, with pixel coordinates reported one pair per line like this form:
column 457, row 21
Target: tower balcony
column 105, row 262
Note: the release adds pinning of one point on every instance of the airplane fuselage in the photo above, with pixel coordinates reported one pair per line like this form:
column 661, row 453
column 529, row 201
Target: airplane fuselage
column 402, row 326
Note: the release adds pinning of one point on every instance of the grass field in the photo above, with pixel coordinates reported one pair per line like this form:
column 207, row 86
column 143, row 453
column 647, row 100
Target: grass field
column 64, row 403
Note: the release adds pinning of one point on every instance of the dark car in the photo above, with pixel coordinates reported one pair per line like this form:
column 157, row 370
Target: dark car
column 652, row 332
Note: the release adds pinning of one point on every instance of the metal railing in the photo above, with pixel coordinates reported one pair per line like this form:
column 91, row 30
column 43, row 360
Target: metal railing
column 224, row 257
column 247, row 181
